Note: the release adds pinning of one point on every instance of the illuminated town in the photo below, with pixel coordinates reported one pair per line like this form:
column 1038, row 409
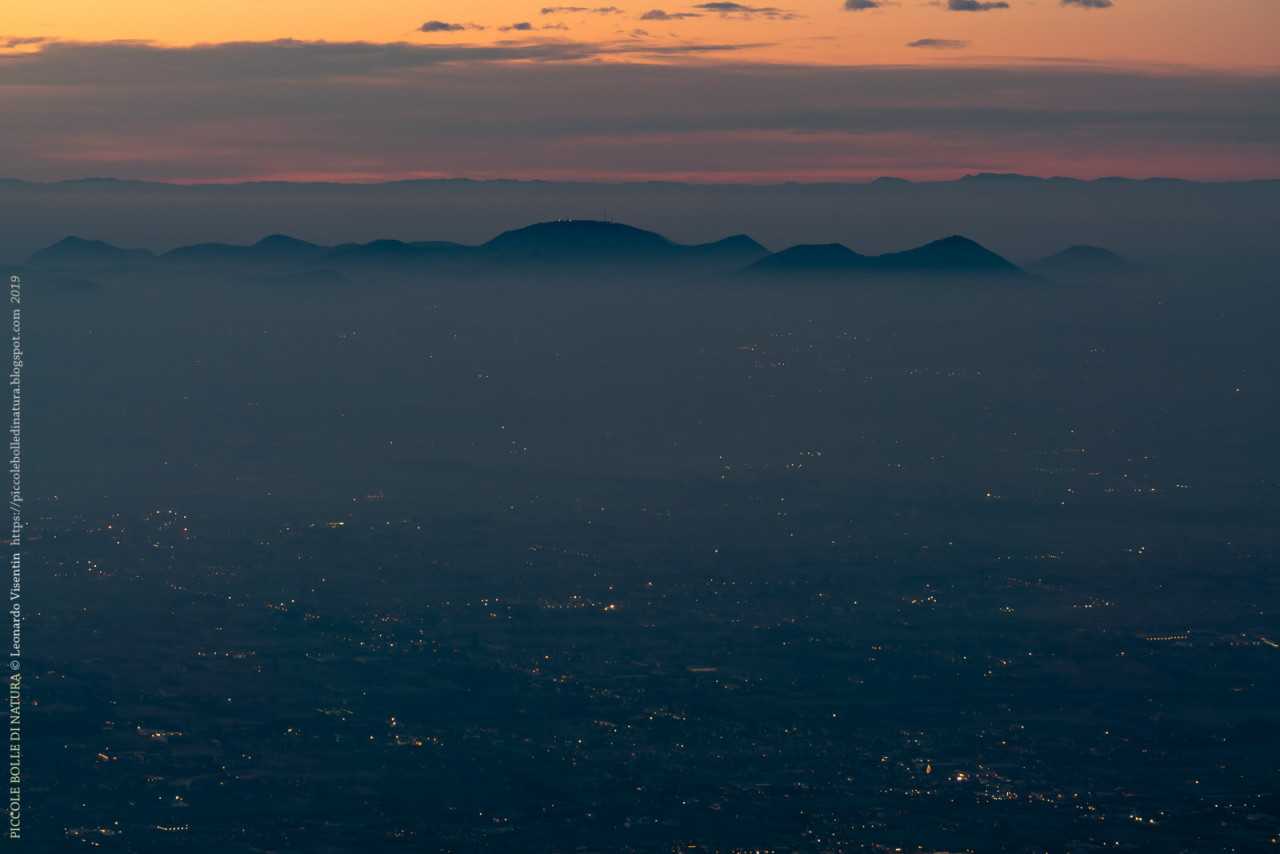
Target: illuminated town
column 789, row 579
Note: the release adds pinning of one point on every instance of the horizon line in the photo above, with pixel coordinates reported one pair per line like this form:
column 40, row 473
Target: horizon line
column 988, row 176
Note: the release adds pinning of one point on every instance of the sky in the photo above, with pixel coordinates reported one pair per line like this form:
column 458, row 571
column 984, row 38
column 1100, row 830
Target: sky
column 817, row 90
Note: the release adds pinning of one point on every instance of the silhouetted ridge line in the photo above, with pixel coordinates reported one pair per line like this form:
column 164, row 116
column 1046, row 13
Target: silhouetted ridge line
column 284, row 243
column 276, row 249
column 954, row 255
column 1079, row 262
column 77, row 252
column 812, row 256
column 565, row 239
column 586, row 243
column 737, row 242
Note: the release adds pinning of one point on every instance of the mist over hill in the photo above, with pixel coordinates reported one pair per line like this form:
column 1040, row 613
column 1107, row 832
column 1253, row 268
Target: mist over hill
column 1178, row 225
column 722, row 561
column 951, row 256
column 573, row 246
column 1085, row 263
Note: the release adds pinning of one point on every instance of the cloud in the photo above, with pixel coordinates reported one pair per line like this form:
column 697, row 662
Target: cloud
column 1088, row 4
column 568, row 10
column 546, row 110
column 135, row 64
column 523, row 25
column 447, row 27
column 737, row 10
column 975, row 5
column 659, row 15
column 859, row 5
column 17, row 41
column 939, row 44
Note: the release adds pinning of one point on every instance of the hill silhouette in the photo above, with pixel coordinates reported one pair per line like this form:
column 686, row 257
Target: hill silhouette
column 580, row 239
column 274, row 250
column 731, row 252
column 950, row 256
column 954, row 254
column 565, row 243
column 1084, row 262
column 77, row 252
column 811, row 256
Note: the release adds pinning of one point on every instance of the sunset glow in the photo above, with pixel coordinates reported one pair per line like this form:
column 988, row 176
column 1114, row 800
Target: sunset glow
column 1235, row 34
column 250, row 89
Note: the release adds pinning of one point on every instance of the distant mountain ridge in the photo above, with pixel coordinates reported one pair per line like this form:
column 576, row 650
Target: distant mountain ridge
column 274, row 249
column 811, row 256
column 74, row 253
column 950, row 255
column 131, row 183
column 569, row 243
column 954, row 253
column 1076, row 262
column 578, row 241
column 556, row 242
column 575, row 238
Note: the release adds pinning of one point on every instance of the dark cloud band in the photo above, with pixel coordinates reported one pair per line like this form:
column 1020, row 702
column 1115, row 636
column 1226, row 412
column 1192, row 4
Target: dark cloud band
column 659, row 15
column 976, row 5
column 939, row 44
column 738, row 10
column 568, row 10
column 440, row 27
column 126, row 109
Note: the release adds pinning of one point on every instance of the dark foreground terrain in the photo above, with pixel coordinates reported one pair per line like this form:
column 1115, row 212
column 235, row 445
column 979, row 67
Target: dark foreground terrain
column 622, row 563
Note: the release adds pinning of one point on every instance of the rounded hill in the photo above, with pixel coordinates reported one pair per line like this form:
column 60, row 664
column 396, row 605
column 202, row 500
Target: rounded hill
column 584, row 238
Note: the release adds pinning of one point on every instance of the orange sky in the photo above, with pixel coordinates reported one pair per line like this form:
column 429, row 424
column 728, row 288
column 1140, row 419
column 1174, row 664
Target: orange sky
column 803, row 90
column 1239, row 34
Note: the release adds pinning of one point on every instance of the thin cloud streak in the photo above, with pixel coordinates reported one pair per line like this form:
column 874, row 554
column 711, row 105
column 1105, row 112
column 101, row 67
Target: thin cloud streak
column 659, row 15
column 975, row 5
column 569, row 10
column 939, row 44
column 447, row 27
column 738, row 10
